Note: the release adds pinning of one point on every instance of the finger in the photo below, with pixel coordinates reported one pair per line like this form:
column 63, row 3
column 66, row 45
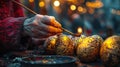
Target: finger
column 38, row 16
column 48, row 28
column 50, row 20
column 37, row 19
column 40, row 34
column 55, row 23
column 52, row 29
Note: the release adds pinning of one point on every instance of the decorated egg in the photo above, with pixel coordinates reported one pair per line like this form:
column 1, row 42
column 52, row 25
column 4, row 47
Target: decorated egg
column 110, row 51
column 50, row 45
column 64, row 45
column 78, row 40
column 98, row 38
column 88, row 49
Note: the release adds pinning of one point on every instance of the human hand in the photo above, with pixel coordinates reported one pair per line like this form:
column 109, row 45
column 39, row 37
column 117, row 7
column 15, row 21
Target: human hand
column 42, row 26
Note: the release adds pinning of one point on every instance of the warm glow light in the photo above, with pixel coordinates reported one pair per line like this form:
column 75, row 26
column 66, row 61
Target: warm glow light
column 41, row 4
column 80, row 9
column 79, row 30
column 73, row 7
column 84, row 10
column 73, row 1
column 96, row 4
column 91, row 10
column 31, row 1
column 117, row 12
column 56, row 3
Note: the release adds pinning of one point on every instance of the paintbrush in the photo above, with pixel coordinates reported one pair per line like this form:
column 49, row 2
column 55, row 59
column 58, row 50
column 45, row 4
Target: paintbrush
column 37, row 13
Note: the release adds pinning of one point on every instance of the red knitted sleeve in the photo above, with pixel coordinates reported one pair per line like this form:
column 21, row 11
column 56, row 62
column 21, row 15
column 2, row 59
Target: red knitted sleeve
column 11, row 21
column 18, row 10
column 10, row 33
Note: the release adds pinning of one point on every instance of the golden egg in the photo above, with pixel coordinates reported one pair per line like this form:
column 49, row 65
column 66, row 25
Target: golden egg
column 78, row 40
column 64, row 45
column 98, row 38
column 88, row 49
column 50, row 45
column 110, row 51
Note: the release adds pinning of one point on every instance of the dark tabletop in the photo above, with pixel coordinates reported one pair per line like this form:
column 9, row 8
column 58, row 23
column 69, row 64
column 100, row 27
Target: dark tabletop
column 7, row 60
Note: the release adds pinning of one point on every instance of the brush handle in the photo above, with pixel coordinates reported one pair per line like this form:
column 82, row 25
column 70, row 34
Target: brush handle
column 24, row 7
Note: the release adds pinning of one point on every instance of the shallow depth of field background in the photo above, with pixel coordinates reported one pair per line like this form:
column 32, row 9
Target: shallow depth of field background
column 100, row 17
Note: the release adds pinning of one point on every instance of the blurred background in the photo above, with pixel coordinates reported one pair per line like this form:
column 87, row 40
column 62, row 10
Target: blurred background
column 100, row 17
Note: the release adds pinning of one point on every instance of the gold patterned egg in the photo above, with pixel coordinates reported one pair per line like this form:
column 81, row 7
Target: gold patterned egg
column 64, row 45
column 78, row 40
column 99, row 39
column 88, row 50
column 110, row 51
column 50, row 44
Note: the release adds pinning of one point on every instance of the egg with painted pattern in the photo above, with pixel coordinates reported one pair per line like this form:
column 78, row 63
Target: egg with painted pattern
column 88, row 49
column 110, row 51
column 64, row 45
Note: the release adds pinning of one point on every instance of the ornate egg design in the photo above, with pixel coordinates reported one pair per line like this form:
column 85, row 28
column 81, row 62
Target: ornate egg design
column 110, row 51
column 50, row 45
column 78, row 40
column 64, row 45
column 88, row 49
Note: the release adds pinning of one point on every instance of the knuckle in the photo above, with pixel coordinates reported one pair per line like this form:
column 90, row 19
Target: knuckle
column 52, row 17
column 35, row 22
column 38, row 15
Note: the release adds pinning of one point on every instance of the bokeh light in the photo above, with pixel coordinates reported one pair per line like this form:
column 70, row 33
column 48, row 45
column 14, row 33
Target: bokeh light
column 79, row 30
column 80, row 9
column 73, row 7
column 56, row 3
column 96, row 4
column 31, row 1
column 41, row 4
